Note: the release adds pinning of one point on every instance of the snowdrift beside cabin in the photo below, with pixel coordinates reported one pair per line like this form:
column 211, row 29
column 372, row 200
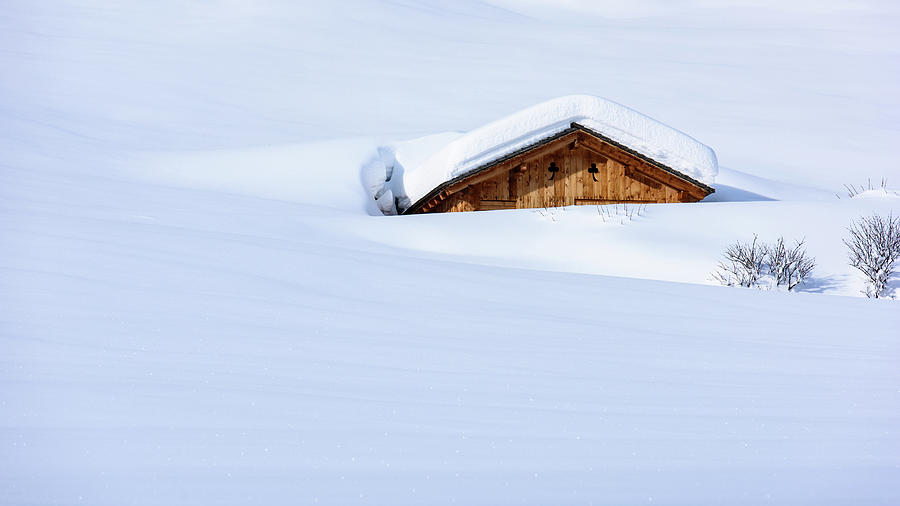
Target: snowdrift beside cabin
column 413, row 168
column 383, row 173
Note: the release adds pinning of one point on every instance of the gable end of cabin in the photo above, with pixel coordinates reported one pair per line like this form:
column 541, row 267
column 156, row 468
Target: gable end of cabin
column 574, row 167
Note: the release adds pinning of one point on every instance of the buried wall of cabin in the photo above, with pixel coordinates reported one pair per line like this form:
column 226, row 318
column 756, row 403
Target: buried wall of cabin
column 588, row 171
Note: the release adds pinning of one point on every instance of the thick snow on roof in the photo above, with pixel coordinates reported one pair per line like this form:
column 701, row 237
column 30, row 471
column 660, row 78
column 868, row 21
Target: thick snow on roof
column 495, row 140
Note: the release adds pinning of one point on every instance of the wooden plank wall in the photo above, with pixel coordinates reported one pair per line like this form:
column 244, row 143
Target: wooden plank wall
column 524, row 182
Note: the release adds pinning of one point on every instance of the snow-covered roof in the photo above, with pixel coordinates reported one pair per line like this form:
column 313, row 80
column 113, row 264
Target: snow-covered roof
column 470, row 151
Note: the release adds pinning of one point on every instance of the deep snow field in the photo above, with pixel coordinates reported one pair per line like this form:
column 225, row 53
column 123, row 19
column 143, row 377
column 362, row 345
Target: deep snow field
column 199, row 305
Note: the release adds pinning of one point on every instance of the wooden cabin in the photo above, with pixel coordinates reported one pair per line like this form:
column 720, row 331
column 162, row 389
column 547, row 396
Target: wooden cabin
column 577, row 166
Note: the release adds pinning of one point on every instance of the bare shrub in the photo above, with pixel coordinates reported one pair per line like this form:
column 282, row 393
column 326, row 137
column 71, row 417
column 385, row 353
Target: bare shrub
column 853, row 191
column 743, row 264
column 788, row 266
column 623, row 211
column 874, row 247
column 765, row 266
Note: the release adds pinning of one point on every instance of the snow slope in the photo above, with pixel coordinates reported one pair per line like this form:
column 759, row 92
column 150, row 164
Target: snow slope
column 169, row 346
column 667, row 242
column 199, row 308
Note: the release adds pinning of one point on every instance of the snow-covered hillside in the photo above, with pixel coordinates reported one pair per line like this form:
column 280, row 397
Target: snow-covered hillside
column 201, row 306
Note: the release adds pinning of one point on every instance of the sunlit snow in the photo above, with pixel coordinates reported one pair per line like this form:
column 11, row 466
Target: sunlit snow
column 201, row 303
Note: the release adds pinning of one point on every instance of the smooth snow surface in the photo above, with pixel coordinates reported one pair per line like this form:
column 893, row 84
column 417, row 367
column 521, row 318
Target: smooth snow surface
column 180, row 346
column 524, row 128
column 200, row 306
